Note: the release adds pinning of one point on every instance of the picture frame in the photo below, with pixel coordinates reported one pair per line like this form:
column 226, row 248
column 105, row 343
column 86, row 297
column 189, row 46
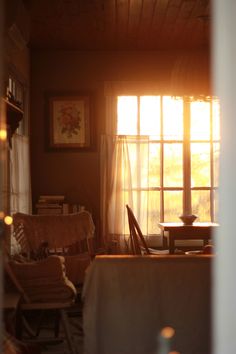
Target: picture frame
column 69, row 121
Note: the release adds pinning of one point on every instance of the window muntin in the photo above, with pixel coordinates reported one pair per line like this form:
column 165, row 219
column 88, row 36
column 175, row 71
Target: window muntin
column 183, row 155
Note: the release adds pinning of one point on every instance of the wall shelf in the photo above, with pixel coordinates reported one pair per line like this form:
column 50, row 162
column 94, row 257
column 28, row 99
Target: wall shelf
column 14, row 115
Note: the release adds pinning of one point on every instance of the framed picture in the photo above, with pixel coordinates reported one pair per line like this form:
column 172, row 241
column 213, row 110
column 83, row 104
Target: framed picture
column 69, row 121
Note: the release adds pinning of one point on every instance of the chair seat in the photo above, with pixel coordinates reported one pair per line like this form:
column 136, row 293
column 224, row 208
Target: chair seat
column 46, row 305
column 157, row 252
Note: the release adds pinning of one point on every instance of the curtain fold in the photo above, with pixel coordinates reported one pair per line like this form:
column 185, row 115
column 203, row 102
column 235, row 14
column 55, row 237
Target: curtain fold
column 116, row 180
column 20, row 175
column 126, row 179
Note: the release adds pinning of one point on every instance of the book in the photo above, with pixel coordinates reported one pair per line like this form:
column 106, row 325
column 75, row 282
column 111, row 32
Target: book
column 50, row 211
column 65, row 208
column 48, row 205
column 48, row 198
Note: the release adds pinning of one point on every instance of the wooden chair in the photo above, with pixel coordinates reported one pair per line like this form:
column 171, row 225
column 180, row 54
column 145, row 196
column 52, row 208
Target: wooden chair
column 137, row 240
column 43, row 286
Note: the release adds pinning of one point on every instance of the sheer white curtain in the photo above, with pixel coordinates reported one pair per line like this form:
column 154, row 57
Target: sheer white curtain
column 115, row 181
column 20, row 175
column 125, row 172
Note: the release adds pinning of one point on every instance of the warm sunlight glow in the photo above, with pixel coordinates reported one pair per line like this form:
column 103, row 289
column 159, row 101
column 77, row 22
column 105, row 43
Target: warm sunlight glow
column 167, row 332
column 8, row 220
column 172, row 118
column 3, row 134
column 200, row 120
column 150, row 115
column 174, row 169
column 127, row 109
column 149, row 122
column 200, row 164
column 216, row 119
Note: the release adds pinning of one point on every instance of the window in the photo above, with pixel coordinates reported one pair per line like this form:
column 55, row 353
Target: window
column 19, row 163
column 179, row 158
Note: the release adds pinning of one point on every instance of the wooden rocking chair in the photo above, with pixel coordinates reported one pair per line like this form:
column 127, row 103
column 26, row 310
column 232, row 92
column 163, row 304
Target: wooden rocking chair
column 43, row 286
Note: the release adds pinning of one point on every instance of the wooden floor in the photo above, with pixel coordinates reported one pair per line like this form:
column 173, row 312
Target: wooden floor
column 62, row 347
column 45, row 342
column 75, row 320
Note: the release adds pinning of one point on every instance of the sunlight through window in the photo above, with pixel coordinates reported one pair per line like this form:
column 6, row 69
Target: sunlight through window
column 176, row 170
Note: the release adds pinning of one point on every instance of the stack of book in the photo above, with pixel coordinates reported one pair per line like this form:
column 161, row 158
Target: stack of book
column 50, row 204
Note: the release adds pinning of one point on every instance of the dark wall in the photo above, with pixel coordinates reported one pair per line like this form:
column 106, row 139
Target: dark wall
column 76, row 174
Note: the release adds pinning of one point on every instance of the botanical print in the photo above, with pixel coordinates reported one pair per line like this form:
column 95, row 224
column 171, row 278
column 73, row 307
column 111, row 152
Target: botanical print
column 69, row 122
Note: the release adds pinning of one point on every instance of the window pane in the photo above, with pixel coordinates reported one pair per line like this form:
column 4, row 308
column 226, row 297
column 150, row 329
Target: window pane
column 132, row 148
column 200, row 164
column 144, row 159
column 153, row 212
column 150, row 115
column 127, row 108
column 162, row 118
column 201, row 205
column 149, row 212
column 173, row 205
column 200, row 120
column 143, row 164
column 216, row 157
column 216, row 119
column 154, row 165
column 172, row 118
column 173, row 165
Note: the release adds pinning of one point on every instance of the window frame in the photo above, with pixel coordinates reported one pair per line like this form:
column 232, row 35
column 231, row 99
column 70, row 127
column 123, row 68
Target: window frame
column 186, row 142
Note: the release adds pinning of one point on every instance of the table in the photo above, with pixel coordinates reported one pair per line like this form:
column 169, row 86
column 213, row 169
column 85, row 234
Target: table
column 127, row 300
column 179, row 231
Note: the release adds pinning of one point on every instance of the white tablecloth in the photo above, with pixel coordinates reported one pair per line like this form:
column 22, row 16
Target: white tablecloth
column 128, row 299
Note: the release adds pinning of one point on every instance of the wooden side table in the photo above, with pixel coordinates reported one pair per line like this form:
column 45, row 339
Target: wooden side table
column 179, row 231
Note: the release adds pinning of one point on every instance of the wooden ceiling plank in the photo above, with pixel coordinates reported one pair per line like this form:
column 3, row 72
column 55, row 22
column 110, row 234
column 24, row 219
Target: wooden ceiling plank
column 201, row 8
column 175, row 3
column 172, row 14
column 135, row 14
column 186, row 8
column 164, row 26
column 122, row 20
column 118, row 24
column 109, row 22
column 175, row 28
column 148, row 10
column 187, row 13
column 159, row 15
